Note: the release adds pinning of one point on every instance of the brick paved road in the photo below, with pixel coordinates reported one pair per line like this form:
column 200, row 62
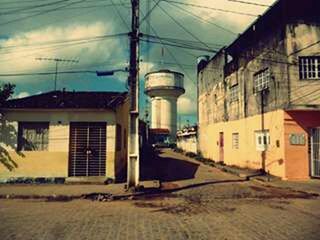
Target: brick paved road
column 234, row 210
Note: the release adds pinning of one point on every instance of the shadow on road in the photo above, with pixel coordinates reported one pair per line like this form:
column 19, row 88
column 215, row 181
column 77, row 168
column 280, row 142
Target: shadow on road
column 165, row 169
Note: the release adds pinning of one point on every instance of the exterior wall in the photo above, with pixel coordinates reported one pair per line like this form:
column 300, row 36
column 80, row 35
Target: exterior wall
column 187, row 143
column 269, row 53
column 54, row 162
column 279, row 51
column 300, row 42
column 246, row 155
column 297, row 156
column 211, row 106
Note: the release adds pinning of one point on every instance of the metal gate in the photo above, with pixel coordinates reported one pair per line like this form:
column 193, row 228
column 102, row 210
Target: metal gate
column 315, row 152
column 87, row 149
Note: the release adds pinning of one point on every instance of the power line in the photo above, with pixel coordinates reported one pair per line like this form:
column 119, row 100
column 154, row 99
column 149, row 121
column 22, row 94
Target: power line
column 203, row 19
column 172, row 55
column 15, row 11
column 125, row 24
column 179, row 46
column 67, row 41
column 73, row 8
column 183, row 27
column 211, row 8
column 150, row 11
column 304, row 48
column 250, row 3
column 44, row 73
column 40, row 13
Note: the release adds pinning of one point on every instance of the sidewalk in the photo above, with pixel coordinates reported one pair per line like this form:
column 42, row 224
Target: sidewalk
column 59, row 191
column 168, row 171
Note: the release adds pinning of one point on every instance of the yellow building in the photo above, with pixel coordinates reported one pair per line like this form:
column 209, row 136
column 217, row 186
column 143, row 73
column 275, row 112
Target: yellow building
column 258, row 98
column 65, row 134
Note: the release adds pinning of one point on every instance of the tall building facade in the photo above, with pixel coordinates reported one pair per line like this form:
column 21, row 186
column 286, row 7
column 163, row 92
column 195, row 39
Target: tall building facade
column 259, row 98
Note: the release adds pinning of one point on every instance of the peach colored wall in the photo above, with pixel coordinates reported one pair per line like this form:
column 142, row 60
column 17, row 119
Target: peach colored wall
column 297, row 156
column 246, row 155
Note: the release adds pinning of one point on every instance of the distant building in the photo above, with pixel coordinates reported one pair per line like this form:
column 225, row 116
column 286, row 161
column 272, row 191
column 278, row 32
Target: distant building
column 66, row 134
column 259, row 98
column 187, row 139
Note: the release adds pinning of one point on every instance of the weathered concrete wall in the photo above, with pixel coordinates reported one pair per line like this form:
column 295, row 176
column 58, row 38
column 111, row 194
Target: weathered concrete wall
column 303, row 40
column 187, row 143
column 212, row 91
column 54, row 162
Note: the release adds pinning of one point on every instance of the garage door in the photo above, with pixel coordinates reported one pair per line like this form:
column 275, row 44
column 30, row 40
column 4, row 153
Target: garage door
column 87, row 149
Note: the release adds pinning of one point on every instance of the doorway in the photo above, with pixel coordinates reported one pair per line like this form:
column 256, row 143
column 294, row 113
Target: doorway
column 315, row 152
column 87, row 149
column 221, row 147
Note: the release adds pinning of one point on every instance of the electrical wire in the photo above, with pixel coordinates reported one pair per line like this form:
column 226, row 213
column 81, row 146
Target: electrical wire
column 183, row 27
column 203, row 19
column 212, row 8
column 250, row 3
column 15, row 11
column 150, row 11
column 40, row 13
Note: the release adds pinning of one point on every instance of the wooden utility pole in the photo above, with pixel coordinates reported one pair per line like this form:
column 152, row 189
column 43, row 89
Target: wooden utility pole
column 133, row 136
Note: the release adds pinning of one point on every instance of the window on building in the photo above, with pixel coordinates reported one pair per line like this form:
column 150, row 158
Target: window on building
column 261, row 80
column 309, row 67
column 262, row 140
column 33, row 136
column 235, row 140
column 118, row 137
column 234, row 93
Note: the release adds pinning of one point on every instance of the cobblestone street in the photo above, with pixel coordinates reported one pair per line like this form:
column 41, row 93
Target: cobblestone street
column 214, row 210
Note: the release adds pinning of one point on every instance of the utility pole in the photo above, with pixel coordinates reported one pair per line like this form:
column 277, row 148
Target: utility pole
column 265, row 139
column 133, row 141
column 57, row 60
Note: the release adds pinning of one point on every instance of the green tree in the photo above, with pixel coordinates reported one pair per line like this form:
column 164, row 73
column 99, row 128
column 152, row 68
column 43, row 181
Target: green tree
column 7, row 132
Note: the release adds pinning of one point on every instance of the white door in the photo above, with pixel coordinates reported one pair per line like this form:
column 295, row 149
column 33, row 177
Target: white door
column 315, row 152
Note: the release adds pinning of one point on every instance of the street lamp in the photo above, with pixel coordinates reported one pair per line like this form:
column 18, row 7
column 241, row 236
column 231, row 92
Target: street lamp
column 110, row 72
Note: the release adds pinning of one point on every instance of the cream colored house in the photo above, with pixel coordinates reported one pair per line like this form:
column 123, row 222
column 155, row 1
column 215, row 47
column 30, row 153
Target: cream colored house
column 65, row 134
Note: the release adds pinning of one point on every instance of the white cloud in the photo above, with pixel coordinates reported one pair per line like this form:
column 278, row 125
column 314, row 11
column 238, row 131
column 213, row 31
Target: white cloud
column 186, row 105
column 22, row 59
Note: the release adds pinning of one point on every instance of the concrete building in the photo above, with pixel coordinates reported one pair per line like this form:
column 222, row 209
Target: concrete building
column 164, row 87
column 258, row 98
column 187, row 139
column 66, row 134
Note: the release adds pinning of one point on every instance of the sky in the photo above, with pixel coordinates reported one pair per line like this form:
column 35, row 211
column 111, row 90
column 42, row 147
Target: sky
column 93, row 35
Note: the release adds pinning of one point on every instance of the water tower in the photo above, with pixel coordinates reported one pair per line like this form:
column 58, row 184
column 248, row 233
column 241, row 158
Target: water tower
column 164, row 87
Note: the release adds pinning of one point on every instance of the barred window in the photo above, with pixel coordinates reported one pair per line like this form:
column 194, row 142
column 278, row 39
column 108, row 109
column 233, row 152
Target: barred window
column 33, row 136
column 235, row 140
column 261, row 80
column 309, row 67
column 234, row 93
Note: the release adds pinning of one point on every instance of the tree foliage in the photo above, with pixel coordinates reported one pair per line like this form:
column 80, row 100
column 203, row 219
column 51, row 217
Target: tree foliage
column 7, row 131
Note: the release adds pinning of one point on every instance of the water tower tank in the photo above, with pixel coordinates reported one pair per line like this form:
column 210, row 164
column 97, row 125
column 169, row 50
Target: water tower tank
column 164, row 87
